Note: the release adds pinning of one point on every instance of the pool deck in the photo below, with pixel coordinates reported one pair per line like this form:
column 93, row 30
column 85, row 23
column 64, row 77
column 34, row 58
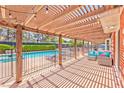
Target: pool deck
column 75, row 74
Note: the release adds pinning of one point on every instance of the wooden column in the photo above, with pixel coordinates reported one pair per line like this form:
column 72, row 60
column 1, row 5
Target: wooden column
column 75, row 48
column 88, row 46
column 19, row 54
column 91, row 46
column 83, row 47
column 60, row 50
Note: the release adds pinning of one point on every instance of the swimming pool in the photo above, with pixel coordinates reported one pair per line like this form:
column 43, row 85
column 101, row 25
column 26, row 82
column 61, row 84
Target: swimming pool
column 11, row 58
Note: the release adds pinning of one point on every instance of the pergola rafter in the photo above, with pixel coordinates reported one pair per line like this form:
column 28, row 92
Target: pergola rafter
column 77, row 24
column 89, row 14
column 70, row 9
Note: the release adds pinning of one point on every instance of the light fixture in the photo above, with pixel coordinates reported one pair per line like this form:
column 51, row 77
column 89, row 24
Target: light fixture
column 110, row 27
column 47, row 10
column 10, row 15
column 35, row 17
column 98, row 22
column 16, row 20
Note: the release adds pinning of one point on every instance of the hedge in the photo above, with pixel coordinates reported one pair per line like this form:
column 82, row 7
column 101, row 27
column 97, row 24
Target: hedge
column 72, row 44
column 27, row 48
column 6, row 47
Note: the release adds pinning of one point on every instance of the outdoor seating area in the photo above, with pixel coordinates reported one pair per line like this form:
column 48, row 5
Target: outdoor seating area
column 103, row 57
column 92, row 55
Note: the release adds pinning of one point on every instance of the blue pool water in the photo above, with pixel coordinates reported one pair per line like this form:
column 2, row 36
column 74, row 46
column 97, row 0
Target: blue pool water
column 26, row 55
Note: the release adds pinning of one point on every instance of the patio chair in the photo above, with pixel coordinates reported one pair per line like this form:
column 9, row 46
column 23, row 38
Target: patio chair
column 51, row 58
column 92, row 55
column 105, row 59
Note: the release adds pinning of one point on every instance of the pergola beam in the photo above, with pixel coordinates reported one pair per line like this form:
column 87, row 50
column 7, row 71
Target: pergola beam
column 79, row 28
column 86, row 33
column 11, row 25
column 82, row 31
column 92, row 36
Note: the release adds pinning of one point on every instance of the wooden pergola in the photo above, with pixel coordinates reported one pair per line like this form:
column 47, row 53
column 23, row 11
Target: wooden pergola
column 72, row 21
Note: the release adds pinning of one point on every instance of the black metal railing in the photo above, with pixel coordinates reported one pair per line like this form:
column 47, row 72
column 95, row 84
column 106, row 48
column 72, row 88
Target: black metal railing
column 7, row 64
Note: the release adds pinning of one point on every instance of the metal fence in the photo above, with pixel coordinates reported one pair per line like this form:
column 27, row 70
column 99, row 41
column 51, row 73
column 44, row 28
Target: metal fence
column 39, row 61
column 7, row 64
column 7, row 56
column 33, row 61
column 67, row 54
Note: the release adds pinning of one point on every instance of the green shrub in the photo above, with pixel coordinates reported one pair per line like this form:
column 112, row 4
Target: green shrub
column 71, row 45
column 38, row 47
column 6, row 47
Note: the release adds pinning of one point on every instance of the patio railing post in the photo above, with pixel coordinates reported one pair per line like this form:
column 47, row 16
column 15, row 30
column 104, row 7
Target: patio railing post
column 19, row 54
column 60, row 50
column 75, row 48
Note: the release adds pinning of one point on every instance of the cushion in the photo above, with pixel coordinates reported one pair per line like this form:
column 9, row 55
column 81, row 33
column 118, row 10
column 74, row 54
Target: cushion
column 106, row 53
column 100, row 52
column 92, row 53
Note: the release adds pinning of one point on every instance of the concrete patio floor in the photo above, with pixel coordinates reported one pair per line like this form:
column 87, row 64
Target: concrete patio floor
column 78, row 74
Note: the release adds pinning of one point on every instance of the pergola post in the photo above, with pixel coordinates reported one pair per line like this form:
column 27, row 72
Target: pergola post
column 91, row 46
column 88, row 46
column 83, row 47
column 60, row 50
column 75, row 48
column 19, row 54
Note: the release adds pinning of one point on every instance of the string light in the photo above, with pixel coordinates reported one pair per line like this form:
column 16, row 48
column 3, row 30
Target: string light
column 47, row 10
column 35, row 17
column 16, row 20
column 98, row 22
column 10, row 15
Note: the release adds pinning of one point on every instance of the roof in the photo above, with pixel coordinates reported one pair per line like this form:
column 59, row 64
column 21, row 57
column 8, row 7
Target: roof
column 72, row 21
